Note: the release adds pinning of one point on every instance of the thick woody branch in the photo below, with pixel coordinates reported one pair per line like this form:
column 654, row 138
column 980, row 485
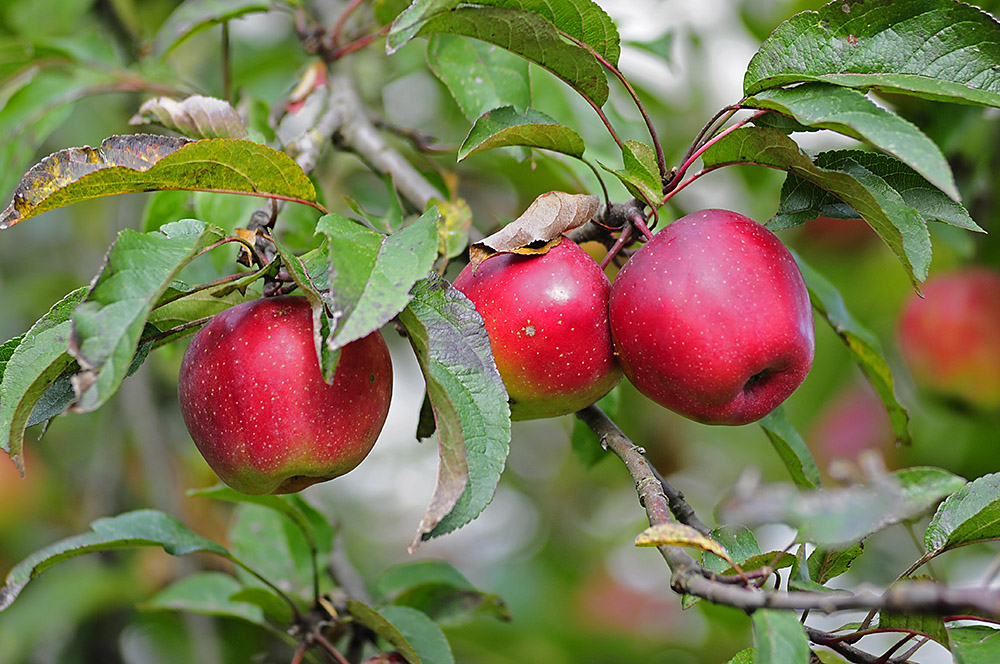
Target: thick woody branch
column 689, row 577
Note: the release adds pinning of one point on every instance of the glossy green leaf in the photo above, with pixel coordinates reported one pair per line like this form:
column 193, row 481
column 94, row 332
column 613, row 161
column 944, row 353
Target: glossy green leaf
column 206, row 593
column 863, row 345
column 146, row 162
column 529, row 35
column 974, row 644
column 132, row 529
column 778, row 638
column 400, row 577
column 971, row 514
column 505, row 127
column 374, row 621
column 825, row 564
column 802, row 201
column 738, row 540
column 426, row 638
column 108, row 325
column 469, row 402
column 743, row 657
column 479, row 76
column 193, row 16
column 369, row 275
column 273, row 545
column 899, row 225
column 937, row 49
column 583, row 20
column 791, row 449
column 849, row 112
column 640, row 174
column 36, row 362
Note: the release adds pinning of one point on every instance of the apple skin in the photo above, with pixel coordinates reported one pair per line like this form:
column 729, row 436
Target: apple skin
column 258, row 409
column 711, row 319
column 950, row 339
column 547, row 319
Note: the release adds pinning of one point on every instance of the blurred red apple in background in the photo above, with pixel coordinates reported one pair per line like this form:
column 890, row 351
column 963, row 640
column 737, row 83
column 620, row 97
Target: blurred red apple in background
column 852, row 422
column 950, row 338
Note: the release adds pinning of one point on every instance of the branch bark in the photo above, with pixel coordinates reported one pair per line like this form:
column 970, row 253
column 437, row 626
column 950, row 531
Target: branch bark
column 689, row 577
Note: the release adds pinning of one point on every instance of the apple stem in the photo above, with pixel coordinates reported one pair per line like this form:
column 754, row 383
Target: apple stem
column 661, row 160
column 710, row 127
column 330, row 648
column 300, row 652
column 639, row 222
column 709, row 143
column 338, row 27
column 622, row 240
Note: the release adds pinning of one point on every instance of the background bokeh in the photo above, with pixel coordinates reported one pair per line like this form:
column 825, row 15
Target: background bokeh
column 557, row 541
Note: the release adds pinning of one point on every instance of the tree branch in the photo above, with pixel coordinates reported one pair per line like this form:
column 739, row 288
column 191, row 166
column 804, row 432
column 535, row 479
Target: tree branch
column 689, row 577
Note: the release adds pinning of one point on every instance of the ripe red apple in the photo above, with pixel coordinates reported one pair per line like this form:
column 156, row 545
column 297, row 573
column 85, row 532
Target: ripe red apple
column 547, row 318
column 258, row 409
column 711, row 319
column 950, row 339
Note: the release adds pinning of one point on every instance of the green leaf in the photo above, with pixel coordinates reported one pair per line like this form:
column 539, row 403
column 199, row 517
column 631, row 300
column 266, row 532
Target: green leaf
column 370, row 275
column 401, row 577
column 849, row 112
column 802, row 201
column 206, row 593
column 928, row 625
column 374, row 621
column 778, row 638
column 35, row 364
column 310, row 274
column 284, row 505
column 193, row 16
column 504, row 127
column 936, row 49
column 738, row 540
column 479, row 75
column 527, row 34
column 273, row 545
column 924, row 487
column 825, row 564
column 641, row 174
column 974, row 644
column 6, row 350
column 131, row 529
column 863, row 345
column 582, row 20
column 791, row 449
column 108, row 325
column 743, row 657
column 971, row 514
column 899, row 225
column 426, row 638
column 839, row 518
column 146, row 162
column 469, row 401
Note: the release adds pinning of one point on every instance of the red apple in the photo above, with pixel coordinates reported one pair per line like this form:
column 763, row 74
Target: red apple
column 258, row 409
column 852, row 422
column 950, row 339
column 711, row 319
column 547, row 319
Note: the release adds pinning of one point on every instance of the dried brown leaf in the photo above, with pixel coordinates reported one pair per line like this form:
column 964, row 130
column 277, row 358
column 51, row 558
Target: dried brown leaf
column 535, row 231
column 196, row 116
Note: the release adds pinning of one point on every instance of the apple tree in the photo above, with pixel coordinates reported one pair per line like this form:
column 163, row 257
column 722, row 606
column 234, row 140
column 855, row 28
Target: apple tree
column 560, row 256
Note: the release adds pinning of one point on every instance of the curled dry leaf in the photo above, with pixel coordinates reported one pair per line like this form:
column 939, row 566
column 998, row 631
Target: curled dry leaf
column 545, row 220
column 679, row 534
column 196, row 116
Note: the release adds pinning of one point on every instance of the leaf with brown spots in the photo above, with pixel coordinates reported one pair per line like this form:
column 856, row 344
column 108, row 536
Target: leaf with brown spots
column 145, row 162
column 546, row 219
